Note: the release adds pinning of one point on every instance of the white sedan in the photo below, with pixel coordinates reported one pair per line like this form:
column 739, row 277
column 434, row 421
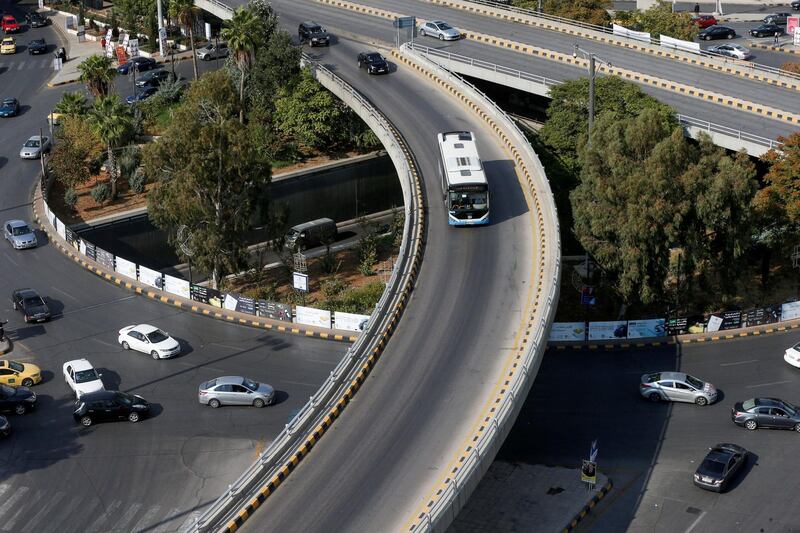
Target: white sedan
column 792, row 355
column 82, row 377
column 149, row 339
column 730, row 50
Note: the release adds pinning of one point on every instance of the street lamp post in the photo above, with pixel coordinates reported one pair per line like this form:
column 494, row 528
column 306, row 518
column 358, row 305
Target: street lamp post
column 592, row 70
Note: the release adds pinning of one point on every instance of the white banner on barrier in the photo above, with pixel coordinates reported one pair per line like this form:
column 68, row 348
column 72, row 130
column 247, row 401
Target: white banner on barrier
column 625, row 32
column 62, row 230
column 83, row 247
column 669, row 42
column 176, row 286
column 638, row 329
column 150, row 277
column 790, row 311
column 614, row 329
column 568, row 331
column 313, row 317
column 126, row 268
column 350, row 321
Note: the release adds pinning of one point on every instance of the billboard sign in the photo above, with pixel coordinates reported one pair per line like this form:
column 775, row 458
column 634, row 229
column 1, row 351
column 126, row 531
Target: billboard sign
column 639, row 329
column 126, row 268
column 313, row 317
column 350, row 321
column 176, row 286
column 206, row 295
column 615, row 329
column 275, row 310
column 151, row 277
column 790, row 311
column 761, row 315
column 568, row 331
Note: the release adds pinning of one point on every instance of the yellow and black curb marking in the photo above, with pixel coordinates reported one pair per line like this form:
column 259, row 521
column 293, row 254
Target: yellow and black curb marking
column 194, row 307
column 773, row 48
column 530, row 20
column 588, row 507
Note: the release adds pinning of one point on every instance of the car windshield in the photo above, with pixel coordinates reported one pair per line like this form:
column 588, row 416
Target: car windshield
column 13, row 365
column 372, row 58
column 157, row 336
column 694, row 382
column 463, row 201
column 85, row 376
column 8, row 101
column 444, row 26
column 20, row 230
column 655, row 376
column 124, row 399
column 32, row 143
column 713, row 467
column 789, row 407
column 315, row 29
column 749, row 404
column 250, row 384
column 32, row 301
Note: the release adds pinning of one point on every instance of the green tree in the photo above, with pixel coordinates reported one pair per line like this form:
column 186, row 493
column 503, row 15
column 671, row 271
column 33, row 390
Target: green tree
column 589, row 11
column 660, row 20
column 779, row 200
column 208, row 174
column 113, row 123
column 269, row 20
column 77, row 146
column 241, row 32
column 72, row 104
column 275, row 63
column 97, row 74
column 186, row 13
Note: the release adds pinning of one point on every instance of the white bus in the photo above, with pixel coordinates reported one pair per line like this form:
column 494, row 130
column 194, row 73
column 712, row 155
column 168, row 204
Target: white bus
column 464, row 185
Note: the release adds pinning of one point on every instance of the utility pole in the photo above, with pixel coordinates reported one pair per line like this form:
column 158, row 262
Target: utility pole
column 160, row 27
column 593, row 58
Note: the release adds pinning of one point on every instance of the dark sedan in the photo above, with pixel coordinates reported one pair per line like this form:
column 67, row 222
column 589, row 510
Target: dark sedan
column 37, row 46
column 9, row 107
column 373, row 62
column 5, row 426
column 140, row 63
column 17, row 400
column 717, row 32
column 109, row 406
column 36, row 20
column 719, row 467
column 766, row 30
column 141, row 94
column 153, row 78
column 30, row 304
column 766, row 413
column 796, row 5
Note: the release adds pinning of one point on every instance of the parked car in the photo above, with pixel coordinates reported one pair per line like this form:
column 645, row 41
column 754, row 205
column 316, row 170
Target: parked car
column 82, row 377
column 19, row 234
column 312, row 33
column 235, row 390
column 792, row 355
column 210, row 51
column 440, row 29
column 704, row 21
column 141, row 64
column 141, row 94
column 9, row 24
column 8, row 45
column 34, row 147
column 730, row 50
column 766, row 413
column 721, row 464
column 36, row 20
column 766, row 30
column 777, row 18
column 14, row 374
column 373, row 62
column 109, row 406
column 32, row 306
column 37, row 46
column 676, row 387
column 796, row 5
column 9, row 107
column 17, row 400
column 5, row 426
column 716, row 32
column 150, row 340
column 153, row 78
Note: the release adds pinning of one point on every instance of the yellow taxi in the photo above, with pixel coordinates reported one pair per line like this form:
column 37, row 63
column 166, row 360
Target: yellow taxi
column 15, row 374
column 8, row 46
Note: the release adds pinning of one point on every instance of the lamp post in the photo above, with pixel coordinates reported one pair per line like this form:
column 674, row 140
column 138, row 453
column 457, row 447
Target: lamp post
column 592, row 69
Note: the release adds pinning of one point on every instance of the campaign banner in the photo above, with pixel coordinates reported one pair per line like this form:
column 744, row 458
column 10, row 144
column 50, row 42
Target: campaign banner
column 89, row 250
column 686, row 324
column 790, row 311
column 669, row 42
column 614, row 329
column 726, row 320
column 151, row 277
column 350, row 321
column 275, row 310
column 73, row 239
column 61, row 229
column 313, row 317
column 625, row 32
column 568, row 331
column 639, row 329
column 126, row 268
column 206, row 295
column 237, row 302
column 792, row 24
column 761, row 315
column 177, row 286
column 105, row 258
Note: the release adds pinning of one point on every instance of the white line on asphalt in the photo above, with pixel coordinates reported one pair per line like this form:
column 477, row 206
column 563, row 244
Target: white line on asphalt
column 145, row 520
column 127, row 517
column 300, row 383
column 104, row 342
column 89, row 307
column 739, row 362
column 8, row 258
column 20, row 66
column 103, row 517
column 12, row 501
column 696, row 521
column 65, row 293
column 43, row 512
column 167, row 520
column 226, row 346
column 8, row 523
column 766, row 384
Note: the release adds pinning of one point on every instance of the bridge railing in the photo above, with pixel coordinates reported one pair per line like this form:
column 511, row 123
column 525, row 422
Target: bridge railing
column 710, row 127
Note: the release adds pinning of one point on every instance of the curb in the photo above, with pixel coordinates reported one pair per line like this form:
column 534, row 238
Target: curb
column 773, row 48
column 588, row 507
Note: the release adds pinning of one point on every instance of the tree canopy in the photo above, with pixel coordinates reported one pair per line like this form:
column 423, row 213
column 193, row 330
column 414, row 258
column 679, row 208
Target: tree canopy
column 659, row 19
column 589, row 11
column 778, row 202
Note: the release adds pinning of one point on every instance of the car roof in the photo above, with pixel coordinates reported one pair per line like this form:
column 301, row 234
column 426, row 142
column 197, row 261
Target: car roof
column 96, row 395
column 310, row 23
column 34, row 138
column 16, row 223
column 144, row 328
column 229, row 380
column 79, row 364
column 673, row 375
column 26, row 292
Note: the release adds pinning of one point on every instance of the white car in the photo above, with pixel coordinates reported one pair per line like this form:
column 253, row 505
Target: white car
column 440, row 29
column 82, row 377
column 730, row 50
column 149, row 339
column 792, row 355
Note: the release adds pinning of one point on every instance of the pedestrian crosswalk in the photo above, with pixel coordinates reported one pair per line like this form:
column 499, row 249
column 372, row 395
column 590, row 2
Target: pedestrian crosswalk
column 44, row 61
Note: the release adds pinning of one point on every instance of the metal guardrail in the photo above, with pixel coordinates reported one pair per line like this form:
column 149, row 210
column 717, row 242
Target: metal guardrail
column 275, row 457
column 684, row 120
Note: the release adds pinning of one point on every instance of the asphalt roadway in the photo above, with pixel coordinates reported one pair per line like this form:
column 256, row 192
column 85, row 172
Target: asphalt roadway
column 56, row 476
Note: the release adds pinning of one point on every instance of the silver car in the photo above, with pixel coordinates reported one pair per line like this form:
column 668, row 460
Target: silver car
column 210, row 51
column 19, row 234
column 235, row 390
column 34, row 147
column 440, row 29
column 677, row 387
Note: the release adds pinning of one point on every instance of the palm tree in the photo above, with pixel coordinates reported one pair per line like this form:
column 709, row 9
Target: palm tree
column 185, row 12
column 112, row 121
column 97, row 74
column 72, row 105
column 241, row 32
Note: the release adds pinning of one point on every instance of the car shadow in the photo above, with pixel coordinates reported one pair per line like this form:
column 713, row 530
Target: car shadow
column 56, row 307
column 155, row 410
column 25, row 332
column 186, row 348
column 280, row 397
column 3, row 160
column 720, row 397
column 47, row 376
column 110, row 379
column 23, row 108
column 751, row 461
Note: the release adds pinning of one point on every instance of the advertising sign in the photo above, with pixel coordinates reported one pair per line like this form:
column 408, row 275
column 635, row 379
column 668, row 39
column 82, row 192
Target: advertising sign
column 89, row 250
column 242, row 304
column 726, row 320
column 151, row 277
column 73, row 239
column 568, row 331
column 684, row 325
column 126, row 268
column 105, row 258
column 206, row 295
column 589, row 472
column 638, row 329
column 300, row 281
column 61, row 229
column 792, row 23
column 313, row 317
column 790, row 311
column 614, row 329
column 133, row 48
column 109, row 44
column 350, row 321
column 275, row 311
column 625, row 32
column 176, row 286
column 669, row 42
column 761, row 315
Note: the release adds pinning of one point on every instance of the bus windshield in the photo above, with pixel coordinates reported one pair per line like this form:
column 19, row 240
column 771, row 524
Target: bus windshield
column 468, row 200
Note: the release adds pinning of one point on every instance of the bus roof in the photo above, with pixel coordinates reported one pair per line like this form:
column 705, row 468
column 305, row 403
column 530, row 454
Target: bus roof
column 460, row 157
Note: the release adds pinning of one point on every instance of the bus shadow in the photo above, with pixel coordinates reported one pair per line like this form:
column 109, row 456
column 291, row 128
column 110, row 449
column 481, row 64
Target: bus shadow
column 507, row 199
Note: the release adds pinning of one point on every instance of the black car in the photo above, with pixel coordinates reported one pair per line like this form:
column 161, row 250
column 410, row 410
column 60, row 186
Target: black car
column 796, row 5
column 37, row 46
column 140, row 63
column 153, row 78
column 109, row 406
column 312, row 33
column 766, row 413
column 36, row 20
column 766, row 30
column 716, row 32
column 30, row 304
column 722, row 462
column 373, row 62
column 5, row 426
column 777, row 18
column 9, row 107
column 18, row 400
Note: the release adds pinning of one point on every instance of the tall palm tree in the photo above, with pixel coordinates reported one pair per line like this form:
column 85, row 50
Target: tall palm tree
column 97, row 74
column 113, row 122
column 185, row 12
column 241, row 33
column 72, row 105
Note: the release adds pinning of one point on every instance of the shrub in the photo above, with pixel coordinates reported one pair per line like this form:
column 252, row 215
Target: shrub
column 129, row 161
column 137, row 180
column 333, row 288
column 367, row 254
column 101, row 193
column 70, row 198
column 791, row 66
column 359, row 300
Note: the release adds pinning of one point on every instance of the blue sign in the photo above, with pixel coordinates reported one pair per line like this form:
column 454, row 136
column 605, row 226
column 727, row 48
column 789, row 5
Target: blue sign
column 404, row 22
column 593, row 451
column 587, row 296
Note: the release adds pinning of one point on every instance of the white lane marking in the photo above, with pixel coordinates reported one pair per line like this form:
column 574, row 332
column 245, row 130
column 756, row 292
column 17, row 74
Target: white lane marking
column 23, row 509
column 104, row 342
column 145, row 520
column 127, row 517
column 65, row 293
column 3, row 489
column 298, row 383
column 696, row 521
column 44, row 512
column 12, row 501
column 739, row 362
column 226, row 346
column 103, row 517
column 8, row 258
column 767, row 384
column 167, row 520
column 20, row 65
column 95, row 306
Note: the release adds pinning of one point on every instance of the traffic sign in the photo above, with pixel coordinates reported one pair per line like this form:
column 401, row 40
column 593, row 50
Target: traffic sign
column 587, row 296
column 589, row 472
column 404, row 22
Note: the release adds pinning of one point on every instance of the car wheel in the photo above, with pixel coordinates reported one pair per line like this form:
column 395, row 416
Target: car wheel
column 441, row 37
column 86, row 421
column 154, row 355
column 731, row 36
column 15, row 305
column 207, row 58
column 214, row 403
column 27, row 382
column 422, row 32
column 701, row 401
column 751, row 425
column 797, row 427
column 26, row 319
column 133, row 417
column 654, row 397
column 258, row 402
column 359, row 64
column 20, row 409
column 125, row 345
